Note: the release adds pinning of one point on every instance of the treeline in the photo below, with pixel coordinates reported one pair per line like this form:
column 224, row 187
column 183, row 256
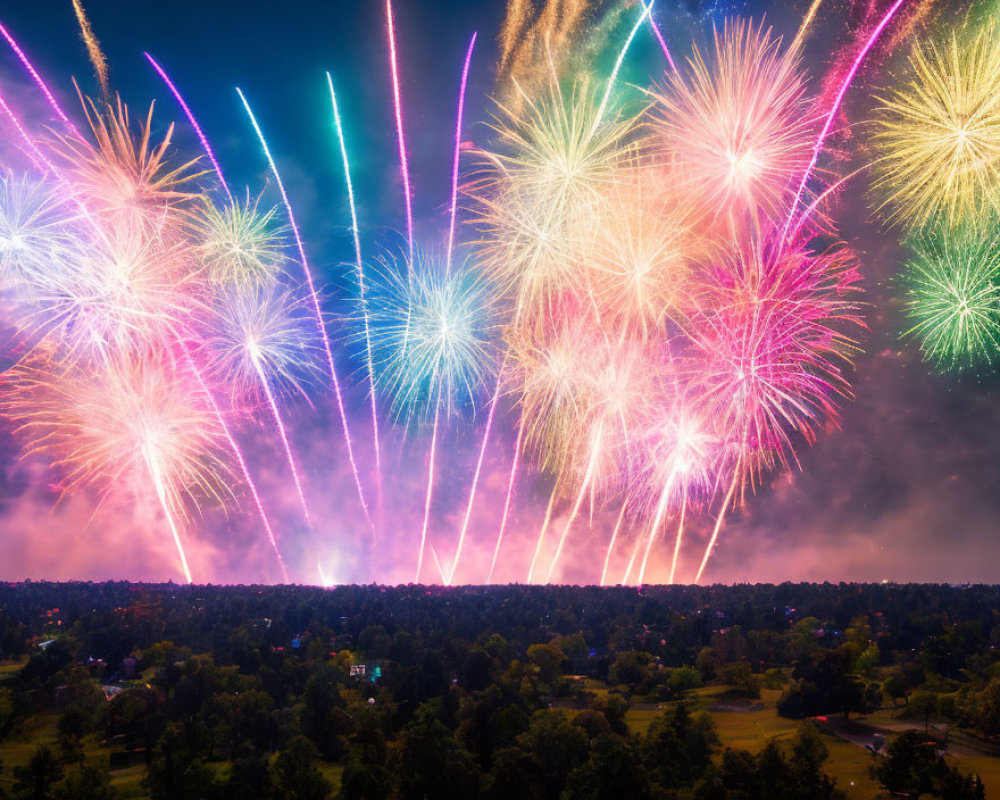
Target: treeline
column 505, row 692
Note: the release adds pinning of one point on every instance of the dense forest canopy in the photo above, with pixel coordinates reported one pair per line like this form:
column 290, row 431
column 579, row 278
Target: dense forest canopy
column 505, row 691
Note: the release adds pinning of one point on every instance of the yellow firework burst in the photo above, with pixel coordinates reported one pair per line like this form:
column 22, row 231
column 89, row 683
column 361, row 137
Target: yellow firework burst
column 542, row 194
column 937, row 134
column 241, row 245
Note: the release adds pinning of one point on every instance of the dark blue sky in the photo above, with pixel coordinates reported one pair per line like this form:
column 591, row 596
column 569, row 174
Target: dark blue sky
column 278, row 52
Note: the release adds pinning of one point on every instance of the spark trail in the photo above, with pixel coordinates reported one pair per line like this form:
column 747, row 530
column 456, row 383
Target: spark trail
column 658, row 518
column 53, row 103
column 458, row 150
column 93, row 48
column 646, row 10
column 834, row 108
column 614, row 538
column 663, row 43
column 404, row 166
column 161, row 496
column 193, row 122
column 430, row 490
column 542, row 530
column 272, row 402
column 718, row 523
column 361, row 285
column 804, row 27
column 574, row 512
column 321, row 328
column 506, row 503
column 475, row 482
column 677, row 539
column 241, row 460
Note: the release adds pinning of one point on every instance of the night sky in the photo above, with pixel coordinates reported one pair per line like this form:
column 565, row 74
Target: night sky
column 908, row 486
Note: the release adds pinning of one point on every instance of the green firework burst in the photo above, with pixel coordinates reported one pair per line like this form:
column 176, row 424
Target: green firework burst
column 953, row 298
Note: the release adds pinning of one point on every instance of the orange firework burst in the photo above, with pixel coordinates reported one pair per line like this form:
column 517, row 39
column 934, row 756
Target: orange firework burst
column 122, row 179
column 642, row 262
column 136, row 424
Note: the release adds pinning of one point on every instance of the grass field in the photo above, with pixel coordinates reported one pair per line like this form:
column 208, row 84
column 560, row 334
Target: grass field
column 8, row 668
column 848, row 763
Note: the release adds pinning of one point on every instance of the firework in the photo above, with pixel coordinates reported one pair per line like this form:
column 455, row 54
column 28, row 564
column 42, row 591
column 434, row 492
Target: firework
column 240, row 245
column 475, row 482
column 540, row 199
column 641, row 265
column 191, row 119
column 260, row 345
column 93, row 47
column 938, row 134
column 677, row 461
column 135, row 424
column 264, row 331
column 838, row 99
column 649, row 300
column 614, row 538
column 122, row 295
column 317, row 312
column 432, row 335
column 552, row 380
column 404, row 166
column 953, row 297
column 621, row 385
column 773, row 336
column 363, row 301
column 515, row 458
column 738, row 127
column 42, row 86
column 36, row 232
column 125, row 181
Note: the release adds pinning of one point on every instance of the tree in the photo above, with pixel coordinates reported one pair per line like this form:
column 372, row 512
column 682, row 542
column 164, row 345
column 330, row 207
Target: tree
column 809, row 754
column 895, row 687
column 630, row 667
column 739, row 676
column 8, row 716
column 922, row 706
column 613, row 771
column 912, row 768
column 34, row 781
column 477, row 670
column 594, row 723
column 433, row 766
column 867, row 662
column 366, row 781
column 516, row 773
column 251, row 777
column 682, row 679
column 678, row 747
column 986, row 708
column 85, row 782
column 547, row 660
column 555, row 747
column 297, row 774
